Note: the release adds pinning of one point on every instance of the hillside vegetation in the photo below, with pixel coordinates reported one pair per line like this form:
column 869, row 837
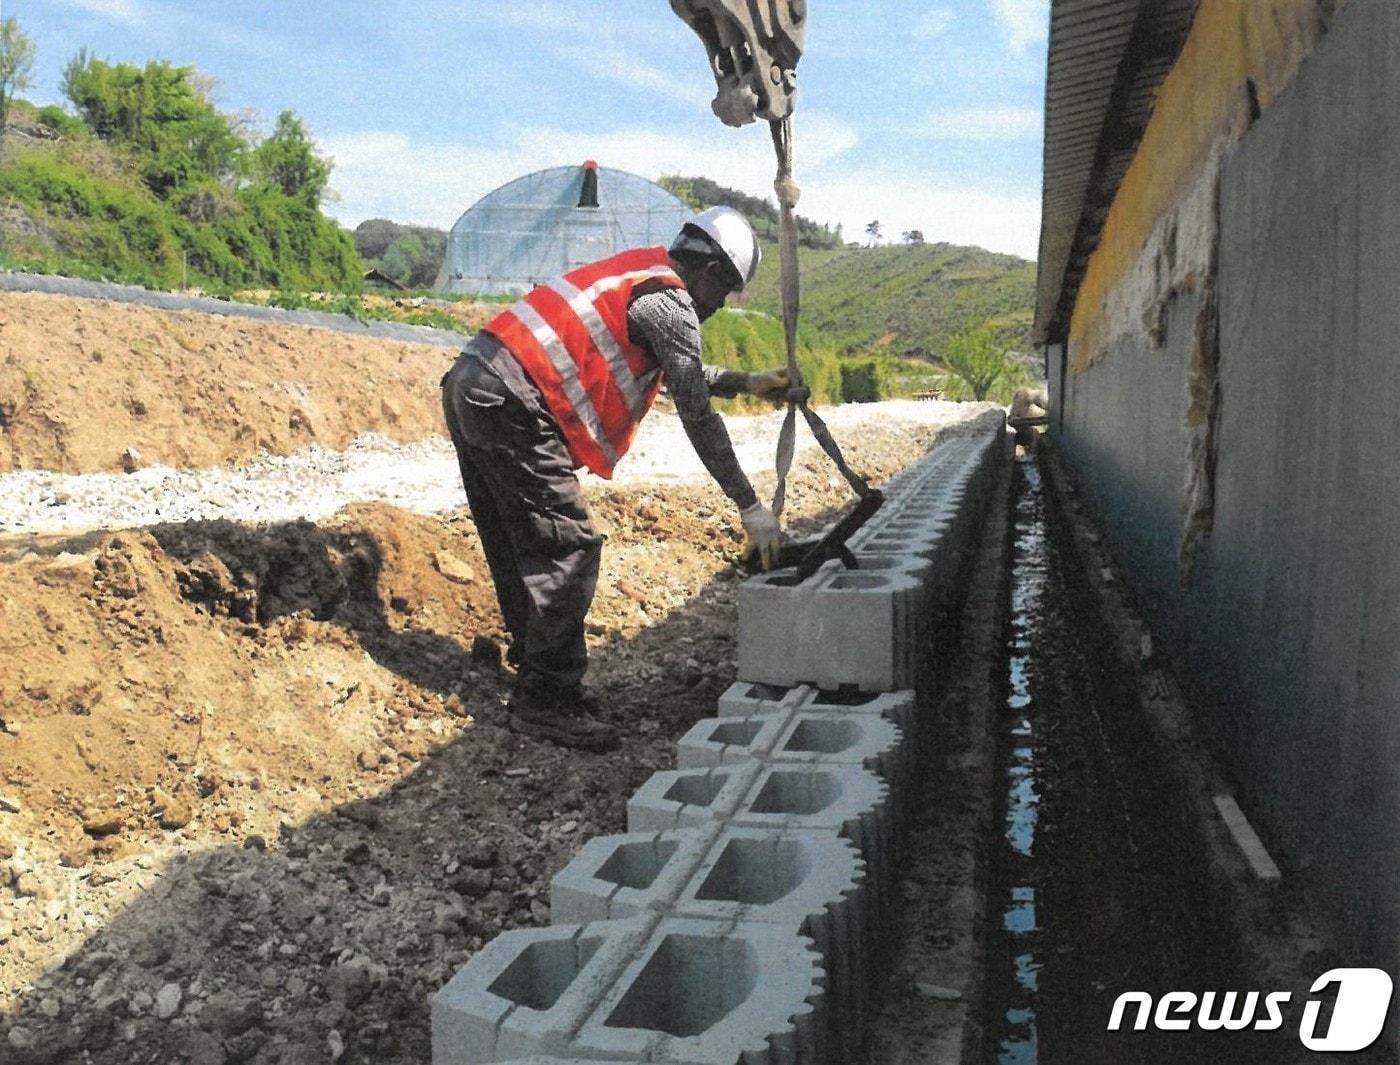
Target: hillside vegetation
column 143, row 180
column 908, row 299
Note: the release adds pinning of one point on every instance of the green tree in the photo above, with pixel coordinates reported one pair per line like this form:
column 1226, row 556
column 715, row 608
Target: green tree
column 914, row 236
column 16, row 61
column 978, row 358
column 403, row 261
column 160, row 110
column 874, row 231
column 288, row 161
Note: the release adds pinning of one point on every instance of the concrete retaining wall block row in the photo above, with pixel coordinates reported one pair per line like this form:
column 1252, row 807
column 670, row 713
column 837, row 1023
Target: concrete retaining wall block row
column 687, row 992
column 737, row 922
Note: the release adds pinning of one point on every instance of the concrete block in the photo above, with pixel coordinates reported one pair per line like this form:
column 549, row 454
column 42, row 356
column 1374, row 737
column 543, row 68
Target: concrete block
column 689, row 992
column 846, row 799
column 677, row 798
column 708, row 993
column 528, row 990
column 800, row 738
column 620, row 876
column 814, row 883
column 729, row 740
column 837, row 628
column 745, row 699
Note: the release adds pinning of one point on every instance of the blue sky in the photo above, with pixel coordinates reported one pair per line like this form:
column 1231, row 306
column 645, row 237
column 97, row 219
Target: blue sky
column 920, row 113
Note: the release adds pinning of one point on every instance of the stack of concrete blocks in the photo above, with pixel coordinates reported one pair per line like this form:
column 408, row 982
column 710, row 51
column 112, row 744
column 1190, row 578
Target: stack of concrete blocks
column 739, row 920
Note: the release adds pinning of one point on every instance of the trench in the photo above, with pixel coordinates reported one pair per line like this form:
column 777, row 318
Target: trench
column 1097, row 885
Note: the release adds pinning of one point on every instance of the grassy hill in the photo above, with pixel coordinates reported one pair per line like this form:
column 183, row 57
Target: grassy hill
column 907, row 299
column 144, row 181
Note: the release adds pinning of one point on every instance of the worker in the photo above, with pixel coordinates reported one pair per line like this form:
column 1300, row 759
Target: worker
column 1027, row 404
column 560, row 381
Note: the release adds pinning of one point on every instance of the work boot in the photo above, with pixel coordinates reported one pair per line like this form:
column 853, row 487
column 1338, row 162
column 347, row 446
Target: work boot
column 542, row 710
column 582, row 701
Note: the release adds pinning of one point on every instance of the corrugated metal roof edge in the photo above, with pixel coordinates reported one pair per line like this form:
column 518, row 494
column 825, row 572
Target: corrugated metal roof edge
column 1069, row 235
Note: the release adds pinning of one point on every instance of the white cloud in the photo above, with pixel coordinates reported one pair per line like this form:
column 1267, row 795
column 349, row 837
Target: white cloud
column 1003, row 223
column 625, row 69
column 983, row 124
column 935, row 23
column 380, row 174
column 1024, row 22
column 131, row 12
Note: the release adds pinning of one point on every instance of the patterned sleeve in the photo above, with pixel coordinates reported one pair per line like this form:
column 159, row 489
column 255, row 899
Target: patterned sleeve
column 666, row 325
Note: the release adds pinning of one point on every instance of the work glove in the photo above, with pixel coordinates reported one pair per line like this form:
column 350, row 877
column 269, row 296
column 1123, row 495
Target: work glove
column 764, row 536
column 771, row 385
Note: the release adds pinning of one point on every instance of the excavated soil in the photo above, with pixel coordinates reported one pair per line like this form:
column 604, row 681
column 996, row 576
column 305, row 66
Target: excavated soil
column 81, row 381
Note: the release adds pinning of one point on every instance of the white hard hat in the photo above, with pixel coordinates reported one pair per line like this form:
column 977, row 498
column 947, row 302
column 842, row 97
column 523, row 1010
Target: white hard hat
column 730, row 232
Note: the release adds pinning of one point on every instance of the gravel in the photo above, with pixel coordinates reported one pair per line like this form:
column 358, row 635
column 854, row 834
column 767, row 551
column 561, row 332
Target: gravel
column 421, row 477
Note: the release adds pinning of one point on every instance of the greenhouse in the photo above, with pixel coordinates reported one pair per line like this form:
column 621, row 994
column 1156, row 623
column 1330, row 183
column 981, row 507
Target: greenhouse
column 543, row 224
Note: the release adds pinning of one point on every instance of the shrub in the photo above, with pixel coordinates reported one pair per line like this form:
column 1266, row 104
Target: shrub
column 863, row 381
column 60, row 121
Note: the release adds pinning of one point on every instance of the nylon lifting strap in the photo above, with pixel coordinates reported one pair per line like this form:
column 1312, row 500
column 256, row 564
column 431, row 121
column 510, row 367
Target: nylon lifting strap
column 788, row 192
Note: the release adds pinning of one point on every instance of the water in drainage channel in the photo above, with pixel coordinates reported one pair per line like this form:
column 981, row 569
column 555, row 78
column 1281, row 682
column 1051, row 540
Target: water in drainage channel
column 1095, row 884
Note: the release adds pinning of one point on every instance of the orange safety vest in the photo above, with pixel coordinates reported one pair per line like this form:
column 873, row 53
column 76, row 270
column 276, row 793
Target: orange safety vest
column 570, row 335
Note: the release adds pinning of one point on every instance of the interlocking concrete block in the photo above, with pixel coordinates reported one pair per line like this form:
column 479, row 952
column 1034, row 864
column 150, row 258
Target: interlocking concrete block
column 729, row 740
column 620, row 876
column 678, row 798
column 688, row 992
column 835, row 738
column 846, row 799
column 812, row 882
column 718, row 872
column 800, row 738
column 710, row 993
column 745, row 699
column 527, row 991
column 814, row 877
column 837, row 628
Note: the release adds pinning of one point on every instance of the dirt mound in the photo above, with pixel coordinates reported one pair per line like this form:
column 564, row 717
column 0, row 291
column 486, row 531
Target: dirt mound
column 81, row 381
column 266, row 802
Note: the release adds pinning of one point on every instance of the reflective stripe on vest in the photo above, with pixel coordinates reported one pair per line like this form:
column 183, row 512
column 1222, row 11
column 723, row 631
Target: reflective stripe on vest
column 571, row 338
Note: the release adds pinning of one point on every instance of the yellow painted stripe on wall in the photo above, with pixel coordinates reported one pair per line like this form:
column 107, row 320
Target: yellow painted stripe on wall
column 1203, row 103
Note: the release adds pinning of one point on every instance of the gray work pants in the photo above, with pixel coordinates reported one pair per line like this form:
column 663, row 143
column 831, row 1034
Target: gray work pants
column 535, row 529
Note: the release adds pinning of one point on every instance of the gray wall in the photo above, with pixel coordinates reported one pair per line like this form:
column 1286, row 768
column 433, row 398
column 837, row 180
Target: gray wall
column 1288, row 631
